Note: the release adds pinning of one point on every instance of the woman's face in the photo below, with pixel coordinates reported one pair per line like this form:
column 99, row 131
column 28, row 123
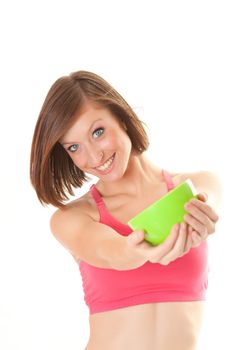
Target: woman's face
column 98, row 144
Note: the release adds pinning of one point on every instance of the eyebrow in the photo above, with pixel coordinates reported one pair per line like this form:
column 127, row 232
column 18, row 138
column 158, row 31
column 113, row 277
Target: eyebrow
column 67, row 143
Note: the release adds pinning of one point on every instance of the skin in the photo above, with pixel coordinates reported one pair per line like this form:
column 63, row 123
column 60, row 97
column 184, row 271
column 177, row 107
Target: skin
column 89, row 143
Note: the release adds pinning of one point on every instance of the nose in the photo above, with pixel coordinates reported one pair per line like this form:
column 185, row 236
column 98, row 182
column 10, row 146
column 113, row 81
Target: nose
column 95, row 157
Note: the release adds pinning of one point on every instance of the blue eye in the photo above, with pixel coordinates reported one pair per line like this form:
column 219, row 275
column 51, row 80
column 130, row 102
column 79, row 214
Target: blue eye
column 99, row 131
column 73, row 148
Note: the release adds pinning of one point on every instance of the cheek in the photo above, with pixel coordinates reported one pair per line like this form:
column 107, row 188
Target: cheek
column 125, row 143
column 113, row 141
column 110, row 142
column 78, row 161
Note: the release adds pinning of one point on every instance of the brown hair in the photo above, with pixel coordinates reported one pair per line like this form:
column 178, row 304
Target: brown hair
column 53, row 174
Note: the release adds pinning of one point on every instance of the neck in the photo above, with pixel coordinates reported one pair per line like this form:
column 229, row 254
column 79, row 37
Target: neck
column 138, row 177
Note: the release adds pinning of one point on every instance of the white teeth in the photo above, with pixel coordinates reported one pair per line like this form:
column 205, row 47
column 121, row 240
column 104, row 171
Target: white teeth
column 106, row 165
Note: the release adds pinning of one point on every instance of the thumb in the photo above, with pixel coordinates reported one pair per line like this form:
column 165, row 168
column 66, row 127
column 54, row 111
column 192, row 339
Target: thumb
column 136, row 237
column 203, row 196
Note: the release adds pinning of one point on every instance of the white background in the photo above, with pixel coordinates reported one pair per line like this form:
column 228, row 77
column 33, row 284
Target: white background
column 172, row 61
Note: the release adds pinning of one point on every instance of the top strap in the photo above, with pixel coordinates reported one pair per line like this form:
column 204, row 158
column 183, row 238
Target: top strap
column 96, row 195
column 168, row 179
column 103, row 212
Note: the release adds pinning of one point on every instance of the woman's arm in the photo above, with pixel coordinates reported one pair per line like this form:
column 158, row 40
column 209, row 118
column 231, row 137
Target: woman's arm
column 202, row 216
column 209, row 183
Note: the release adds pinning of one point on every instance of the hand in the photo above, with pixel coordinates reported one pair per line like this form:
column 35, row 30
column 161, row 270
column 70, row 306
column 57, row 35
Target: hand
column 175, row 248
column 201, row 219
column 172, row 248
column 198, row 224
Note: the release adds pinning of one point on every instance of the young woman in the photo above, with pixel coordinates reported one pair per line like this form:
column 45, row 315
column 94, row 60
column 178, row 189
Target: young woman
column 139, row 296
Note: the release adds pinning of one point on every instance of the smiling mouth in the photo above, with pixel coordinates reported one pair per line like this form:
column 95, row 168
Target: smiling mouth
column 107, row 164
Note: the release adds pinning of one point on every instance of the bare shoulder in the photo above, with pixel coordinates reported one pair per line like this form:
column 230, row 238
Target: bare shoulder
column 82, row 236
column 68, row 223
column 204, row 181
column 68, row 217
column 201, row 178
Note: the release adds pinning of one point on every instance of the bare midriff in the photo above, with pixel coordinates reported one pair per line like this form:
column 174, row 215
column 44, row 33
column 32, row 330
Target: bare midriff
column 162, row 326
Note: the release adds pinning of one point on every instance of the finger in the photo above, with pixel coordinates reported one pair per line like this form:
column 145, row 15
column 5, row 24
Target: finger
column 199, row 215
column 162, row 249
column 188, row 244
column 196, row 239
column 203, row 196
column 178, row 248
column 182, row 238
column 135, row 237
column 197, row 225
column 205, row 208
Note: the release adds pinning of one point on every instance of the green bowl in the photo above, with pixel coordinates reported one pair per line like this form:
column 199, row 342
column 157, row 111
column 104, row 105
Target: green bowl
column 158, row 219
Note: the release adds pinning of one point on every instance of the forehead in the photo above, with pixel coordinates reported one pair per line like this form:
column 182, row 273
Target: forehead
column 89, row 112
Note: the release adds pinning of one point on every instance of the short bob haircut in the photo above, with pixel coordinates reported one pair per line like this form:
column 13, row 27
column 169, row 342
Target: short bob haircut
column 52, row 172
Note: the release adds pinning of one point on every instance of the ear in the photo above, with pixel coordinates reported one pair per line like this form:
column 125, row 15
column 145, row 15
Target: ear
column 124, row 125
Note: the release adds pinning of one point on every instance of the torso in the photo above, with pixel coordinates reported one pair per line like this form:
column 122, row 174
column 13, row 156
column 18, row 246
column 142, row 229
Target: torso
column 123, row 207
column 162, row 326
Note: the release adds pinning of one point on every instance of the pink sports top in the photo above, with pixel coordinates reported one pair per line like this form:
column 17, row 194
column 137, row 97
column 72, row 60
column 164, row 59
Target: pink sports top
column 184, row 279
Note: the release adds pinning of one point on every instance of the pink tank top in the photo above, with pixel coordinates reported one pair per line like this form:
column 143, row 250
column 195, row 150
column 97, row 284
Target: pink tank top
column 184, row 279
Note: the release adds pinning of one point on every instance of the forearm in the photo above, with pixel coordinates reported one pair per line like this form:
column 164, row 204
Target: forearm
column 120, row 255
